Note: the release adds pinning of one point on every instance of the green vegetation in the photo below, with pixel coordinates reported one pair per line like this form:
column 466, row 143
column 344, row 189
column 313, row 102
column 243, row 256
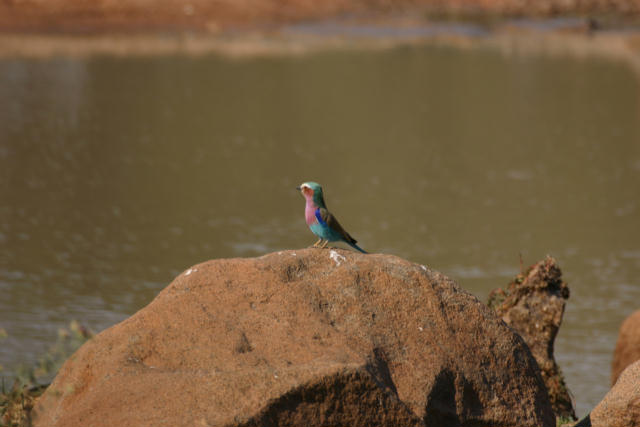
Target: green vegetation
column 18, row 398
column 496, row 298
column 565, row 421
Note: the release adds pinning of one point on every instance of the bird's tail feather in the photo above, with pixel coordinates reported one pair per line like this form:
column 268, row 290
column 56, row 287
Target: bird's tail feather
column 354, row 246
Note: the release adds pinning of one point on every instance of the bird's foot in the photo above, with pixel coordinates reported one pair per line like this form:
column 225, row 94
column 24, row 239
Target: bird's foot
column 315, row 245
column 324, row 244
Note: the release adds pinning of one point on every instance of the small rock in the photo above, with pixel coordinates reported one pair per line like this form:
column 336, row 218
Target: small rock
column 628, row 346
column 621, row 405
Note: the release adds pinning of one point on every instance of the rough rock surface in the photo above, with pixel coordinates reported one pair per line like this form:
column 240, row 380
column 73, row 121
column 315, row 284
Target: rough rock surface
column 621, row 405
column 533, row 304
column 310, row 337
column 628, row 346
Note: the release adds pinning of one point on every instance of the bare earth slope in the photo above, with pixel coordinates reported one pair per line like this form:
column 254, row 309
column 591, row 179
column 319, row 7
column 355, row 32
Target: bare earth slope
column 203, row 15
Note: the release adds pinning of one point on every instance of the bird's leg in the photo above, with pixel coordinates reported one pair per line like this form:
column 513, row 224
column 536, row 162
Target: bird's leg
column 315, row 245
column 324, row 244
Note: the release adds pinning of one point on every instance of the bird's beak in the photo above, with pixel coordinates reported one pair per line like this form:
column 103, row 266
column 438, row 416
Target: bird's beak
column 298, row 188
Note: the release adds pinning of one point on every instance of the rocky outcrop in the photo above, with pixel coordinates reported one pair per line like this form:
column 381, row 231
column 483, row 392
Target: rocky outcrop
column 628, row 346
column 621, row 405
column 310, row 337
column 533, row 304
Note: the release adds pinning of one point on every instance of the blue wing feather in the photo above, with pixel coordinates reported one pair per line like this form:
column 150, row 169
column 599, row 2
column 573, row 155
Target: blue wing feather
column 319, row 218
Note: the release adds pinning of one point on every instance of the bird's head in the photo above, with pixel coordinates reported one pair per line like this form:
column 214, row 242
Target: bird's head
column 312, row 190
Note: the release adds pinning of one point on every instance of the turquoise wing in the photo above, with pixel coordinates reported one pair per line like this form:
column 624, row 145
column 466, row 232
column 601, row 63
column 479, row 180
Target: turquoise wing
column 326, row 219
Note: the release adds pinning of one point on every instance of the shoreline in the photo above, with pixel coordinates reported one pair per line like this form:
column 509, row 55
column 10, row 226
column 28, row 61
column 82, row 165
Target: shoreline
column 542, row 37
column 32, row 29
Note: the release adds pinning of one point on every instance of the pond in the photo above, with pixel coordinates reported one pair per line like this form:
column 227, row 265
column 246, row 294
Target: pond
column 117, row 173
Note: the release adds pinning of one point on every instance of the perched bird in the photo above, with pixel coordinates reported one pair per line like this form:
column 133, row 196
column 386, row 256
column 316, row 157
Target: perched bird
column 322, row 222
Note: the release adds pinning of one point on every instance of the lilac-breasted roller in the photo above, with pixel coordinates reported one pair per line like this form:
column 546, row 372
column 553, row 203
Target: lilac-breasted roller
column 322, row 222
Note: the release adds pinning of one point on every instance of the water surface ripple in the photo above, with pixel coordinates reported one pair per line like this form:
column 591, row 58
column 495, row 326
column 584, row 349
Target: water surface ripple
column 118, row 173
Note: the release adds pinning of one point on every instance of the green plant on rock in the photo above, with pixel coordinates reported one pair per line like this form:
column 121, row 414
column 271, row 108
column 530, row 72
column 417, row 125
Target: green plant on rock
column 18, row 399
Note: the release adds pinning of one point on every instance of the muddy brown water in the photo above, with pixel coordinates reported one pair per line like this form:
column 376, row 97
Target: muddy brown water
column 117, row 173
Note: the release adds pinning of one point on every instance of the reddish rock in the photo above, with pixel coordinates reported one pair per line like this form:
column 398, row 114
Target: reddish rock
column 310, row 337
column 628, row 346
column 533, row 304
column 621, row 405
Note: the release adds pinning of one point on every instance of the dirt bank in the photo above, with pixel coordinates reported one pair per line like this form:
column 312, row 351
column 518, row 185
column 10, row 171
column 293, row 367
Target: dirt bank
column 100, row 16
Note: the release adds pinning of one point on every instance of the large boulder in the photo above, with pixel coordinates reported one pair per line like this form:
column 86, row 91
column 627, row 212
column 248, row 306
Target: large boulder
column 628, row 346
column 310, row 337
column 533, row 304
